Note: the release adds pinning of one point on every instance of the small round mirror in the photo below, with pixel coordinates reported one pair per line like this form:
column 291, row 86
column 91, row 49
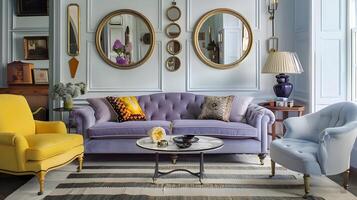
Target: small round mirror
column 173, row 13
column 173, row 30
column 173, row 47
column 173, row 63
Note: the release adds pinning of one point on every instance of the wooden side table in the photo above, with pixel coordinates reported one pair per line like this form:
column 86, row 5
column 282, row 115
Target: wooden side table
column 299, row 109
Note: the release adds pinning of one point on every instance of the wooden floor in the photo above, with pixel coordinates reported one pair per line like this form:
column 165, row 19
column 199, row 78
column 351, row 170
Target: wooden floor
column 10, row 183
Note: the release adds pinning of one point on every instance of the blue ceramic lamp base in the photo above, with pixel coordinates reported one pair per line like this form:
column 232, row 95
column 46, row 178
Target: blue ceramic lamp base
column 283, row 88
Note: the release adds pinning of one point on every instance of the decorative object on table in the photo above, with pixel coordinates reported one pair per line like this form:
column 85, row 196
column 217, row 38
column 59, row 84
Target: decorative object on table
column 73, row 66
column 318, row 144
column 19, row 73
column 173, row 63
column 157, row 134
column 173, row 13
column 273, row 42
column 113, row 41
column 296, row 108
column 185, row 141
column 73, row 29
column 173, row 30
column 236, row 33
column 162, row 143
column 40, row 76
column 174, row 47
column 218, row 108
column 26, row 8
column 67, row 92
column 36, row 47
column 127, row 108
column 283, row 63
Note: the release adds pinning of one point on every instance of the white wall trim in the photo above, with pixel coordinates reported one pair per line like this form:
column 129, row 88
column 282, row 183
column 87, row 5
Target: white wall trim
column 257, row 19
column 257, row 60
column 92, row 89
column 188, row 15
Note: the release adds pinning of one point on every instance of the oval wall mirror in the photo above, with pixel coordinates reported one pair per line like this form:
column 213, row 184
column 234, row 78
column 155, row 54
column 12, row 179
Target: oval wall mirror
column 173, row 30
column 222, row 38
column 125, row 39
column 73, row 29
column 173, row 63
column 173, row 47
column 173, row 13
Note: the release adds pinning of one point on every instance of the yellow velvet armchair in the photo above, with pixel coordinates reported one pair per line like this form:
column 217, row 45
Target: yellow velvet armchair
column 33, row 147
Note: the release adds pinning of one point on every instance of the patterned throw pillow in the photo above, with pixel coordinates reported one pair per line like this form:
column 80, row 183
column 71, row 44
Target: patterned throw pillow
column 218, row 108
column 127, row 108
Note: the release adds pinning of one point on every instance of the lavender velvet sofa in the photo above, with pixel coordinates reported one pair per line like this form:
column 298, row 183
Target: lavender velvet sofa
column 177, row 113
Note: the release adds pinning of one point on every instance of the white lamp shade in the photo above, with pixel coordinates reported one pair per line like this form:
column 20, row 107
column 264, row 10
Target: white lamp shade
column 283, row 63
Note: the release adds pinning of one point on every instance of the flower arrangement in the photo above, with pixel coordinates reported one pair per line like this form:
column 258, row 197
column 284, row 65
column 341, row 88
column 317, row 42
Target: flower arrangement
column 68, row 91
column 123, row 52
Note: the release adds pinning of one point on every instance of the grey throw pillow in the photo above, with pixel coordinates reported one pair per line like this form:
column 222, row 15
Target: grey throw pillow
column 239, row 108
column 103, row 110
column 218, row 108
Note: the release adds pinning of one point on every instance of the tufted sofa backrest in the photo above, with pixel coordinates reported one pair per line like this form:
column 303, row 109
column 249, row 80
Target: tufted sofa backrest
column 171, row 106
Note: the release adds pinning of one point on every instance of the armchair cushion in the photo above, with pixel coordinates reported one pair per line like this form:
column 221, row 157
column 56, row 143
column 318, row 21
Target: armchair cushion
column 296, row 154
column 50, row 127
column 44, row 146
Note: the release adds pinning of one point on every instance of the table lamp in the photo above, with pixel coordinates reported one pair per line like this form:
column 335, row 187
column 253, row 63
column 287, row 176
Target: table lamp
column 283, row 63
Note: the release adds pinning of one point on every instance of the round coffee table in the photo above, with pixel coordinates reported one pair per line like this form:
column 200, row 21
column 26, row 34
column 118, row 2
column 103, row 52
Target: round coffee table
column 204, row 144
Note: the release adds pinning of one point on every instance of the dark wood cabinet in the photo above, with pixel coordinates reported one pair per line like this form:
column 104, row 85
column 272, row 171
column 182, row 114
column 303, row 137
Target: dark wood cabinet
column 36, row 95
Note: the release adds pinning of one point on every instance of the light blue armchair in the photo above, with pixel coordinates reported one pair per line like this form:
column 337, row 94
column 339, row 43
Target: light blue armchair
column 319, row 143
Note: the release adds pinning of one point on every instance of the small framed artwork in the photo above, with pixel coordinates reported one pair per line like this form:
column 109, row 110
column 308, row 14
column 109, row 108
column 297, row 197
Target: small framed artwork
column 40, row 76
column 32, row 7
column 36, row 48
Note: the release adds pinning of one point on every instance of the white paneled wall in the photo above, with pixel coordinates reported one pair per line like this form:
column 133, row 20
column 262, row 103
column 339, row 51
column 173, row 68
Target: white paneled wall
column 193, row 76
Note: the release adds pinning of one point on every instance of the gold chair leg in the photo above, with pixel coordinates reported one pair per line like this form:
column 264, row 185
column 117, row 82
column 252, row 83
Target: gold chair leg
column 272, row 168
column 41, row 180
column 80, row 163
column 346, row 178
column 307, row 185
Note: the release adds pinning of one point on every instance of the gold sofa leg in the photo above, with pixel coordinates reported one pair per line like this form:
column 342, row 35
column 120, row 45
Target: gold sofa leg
column 174, row 158
column 80, row 163
column 272, row 168
column 307, row 185
column 261, row 158
column 41, row 180
column 346, row 178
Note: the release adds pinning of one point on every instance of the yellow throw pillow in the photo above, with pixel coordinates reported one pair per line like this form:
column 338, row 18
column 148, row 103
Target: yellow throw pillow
column 127, row 108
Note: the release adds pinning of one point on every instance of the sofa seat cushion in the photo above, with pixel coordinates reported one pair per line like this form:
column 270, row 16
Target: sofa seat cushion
column 216, row 128
column 44, row 146
column 289, row 153
column 129, row 129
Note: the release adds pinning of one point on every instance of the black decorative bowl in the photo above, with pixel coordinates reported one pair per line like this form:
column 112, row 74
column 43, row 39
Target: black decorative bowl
column 185, row 141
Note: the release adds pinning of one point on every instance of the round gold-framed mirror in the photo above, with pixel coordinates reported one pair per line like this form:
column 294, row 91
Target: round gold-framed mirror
column 222, row 38
column 173, row 13
column 174, row 47
column 173, row 30
column 125, row 39
column 173, row 63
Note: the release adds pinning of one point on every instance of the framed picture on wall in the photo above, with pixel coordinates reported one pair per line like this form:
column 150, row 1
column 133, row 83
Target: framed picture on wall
column 40, row 76
column 36, row 48
column 32, row 7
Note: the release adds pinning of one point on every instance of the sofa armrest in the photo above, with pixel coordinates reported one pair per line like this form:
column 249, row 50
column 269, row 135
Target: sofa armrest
column 84, row 119
column 50, row 127
column 14, row 147
column 260, row 118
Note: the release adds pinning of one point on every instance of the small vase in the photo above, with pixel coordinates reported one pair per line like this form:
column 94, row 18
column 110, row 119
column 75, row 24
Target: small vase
column 68, row 103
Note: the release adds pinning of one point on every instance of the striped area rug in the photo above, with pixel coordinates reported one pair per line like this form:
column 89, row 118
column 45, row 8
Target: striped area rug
column 222, row 181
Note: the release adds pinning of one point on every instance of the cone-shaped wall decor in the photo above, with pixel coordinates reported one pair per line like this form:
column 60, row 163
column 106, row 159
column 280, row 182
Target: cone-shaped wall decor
column 73, row 66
